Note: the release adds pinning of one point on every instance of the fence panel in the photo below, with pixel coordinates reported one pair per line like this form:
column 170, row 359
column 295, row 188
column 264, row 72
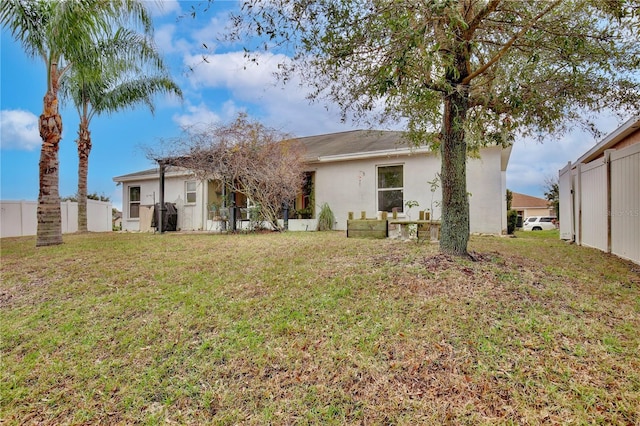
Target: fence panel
column 625, row 203
column 593, row 188
column 19, row 218
column 99, row 216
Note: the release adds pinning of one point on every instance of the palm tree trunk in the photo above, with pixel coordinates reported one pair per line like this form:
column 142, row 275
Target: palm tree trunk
column 49, row 215
column 84, row 148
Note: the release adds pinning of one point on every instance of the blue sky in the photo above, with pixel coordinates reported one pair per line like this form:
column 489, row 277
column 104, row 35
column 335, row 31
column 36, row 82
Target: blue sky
column 214, row 91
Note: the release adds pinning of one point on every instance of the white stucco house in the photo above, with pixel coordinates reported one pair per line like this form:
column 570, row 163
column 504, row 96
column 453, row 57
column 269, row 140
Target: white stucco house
column 355, row 171
column 600, row 194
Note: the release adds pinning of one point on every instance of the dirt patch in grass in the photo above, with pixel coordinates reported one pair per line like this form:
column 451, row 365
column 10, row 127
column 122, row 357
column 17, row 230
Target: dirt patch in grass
column 314, row 328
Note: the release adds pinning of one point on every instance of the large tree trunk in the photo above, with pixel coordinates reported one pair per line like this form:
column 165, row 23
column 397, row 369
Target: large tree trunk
column 454, row 235
column 84, row 148
column 49, row 216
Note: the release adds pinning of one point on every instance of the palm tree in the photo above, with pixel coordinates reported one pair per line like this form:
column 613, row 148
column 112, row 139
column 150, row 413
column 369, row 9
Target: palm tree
column 59, row 32
column 120, row 72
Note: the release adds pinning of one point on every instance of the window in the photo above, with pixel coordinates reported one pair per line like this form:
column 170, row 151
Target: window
column 134, row 202
column 190, row 192
column 390, row 188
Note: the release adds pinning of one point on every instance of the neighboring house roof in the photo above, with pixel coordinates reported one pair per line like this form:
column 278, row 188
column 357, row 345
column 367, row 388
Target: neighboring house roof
column 523, row 201
column 632, row 125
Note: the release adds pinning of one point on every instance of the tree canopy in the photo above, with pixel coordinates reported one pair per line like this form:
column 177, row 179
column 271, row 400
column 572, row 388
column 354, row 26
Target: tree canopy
column 119, row 71
column 552, row 194
column 462, row 73
column 247, row 157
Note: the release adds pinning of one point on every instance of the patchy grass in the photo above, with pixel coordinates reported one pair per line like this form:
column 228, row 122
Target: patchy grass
column 314, row 328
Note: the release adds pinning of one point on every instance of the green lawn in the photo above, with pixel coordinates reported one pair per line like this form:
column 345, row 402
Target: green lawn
column 315, row 328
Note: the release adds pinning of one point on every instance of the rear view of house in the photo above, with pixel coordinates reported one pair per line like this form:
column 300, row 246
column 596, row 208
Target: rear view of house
column 355, row 171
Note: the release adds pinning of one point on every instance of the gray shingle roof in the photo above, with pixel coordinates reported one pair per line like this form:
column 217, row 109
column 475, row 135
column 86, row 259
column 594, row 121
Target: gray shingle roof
column 352, row 142
column 151, row 174
column 327, row 145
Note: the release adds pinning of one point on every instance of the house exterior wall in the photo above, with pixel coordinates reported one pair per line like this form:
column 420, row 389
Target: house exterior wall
column 528, row 212
column 190, row 215
column 633, row 139
column 351, row 186
column 487, row 202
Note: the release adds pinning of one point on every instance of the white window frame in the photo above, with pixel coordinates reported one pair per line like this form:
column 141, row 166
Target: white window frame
column 378, row 189
column 187, row 192
column 133, row 202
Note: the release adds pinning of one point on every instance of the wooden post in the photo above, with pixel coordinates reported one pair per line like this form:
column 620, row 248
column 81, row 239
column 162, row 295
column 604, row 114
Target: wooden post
column 427, row 215
column 350, row 215
column 384, row 215
column 395, row 214
column 363, row 215
column 421, row 214
column 160, row 214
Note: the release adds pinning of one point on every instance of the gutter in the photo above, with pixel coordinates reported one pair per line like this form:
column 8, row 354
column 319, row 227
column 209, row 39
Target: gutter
column 371, row 154
column 151, row 176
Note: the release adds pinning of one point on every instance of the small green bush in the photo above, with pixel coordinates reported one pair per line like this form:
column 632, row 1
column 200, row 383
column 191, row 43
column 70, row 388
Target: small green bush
column 512, row 221
column 326, row 218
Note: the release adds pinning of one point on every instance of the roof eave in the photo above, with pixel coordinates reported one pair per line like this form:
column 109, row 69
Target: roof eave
column 629, row 127
column 150, row 176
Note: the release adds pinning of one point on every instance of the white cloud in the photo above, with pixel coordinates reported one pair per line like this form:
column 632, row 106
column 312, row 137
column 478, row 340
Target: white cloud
column 233, row 71
column 197, row 116
column 284, row 107
column 19, row 130
column 164, row 37
column 163, row 7
column 208, row 36
column 532, row 162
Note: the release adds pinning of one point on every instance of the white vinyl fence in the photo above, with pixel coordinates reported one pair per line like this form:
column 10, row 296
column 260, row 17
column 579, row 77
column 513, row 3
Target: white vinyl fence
column 18, row 218
column 600, row 203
